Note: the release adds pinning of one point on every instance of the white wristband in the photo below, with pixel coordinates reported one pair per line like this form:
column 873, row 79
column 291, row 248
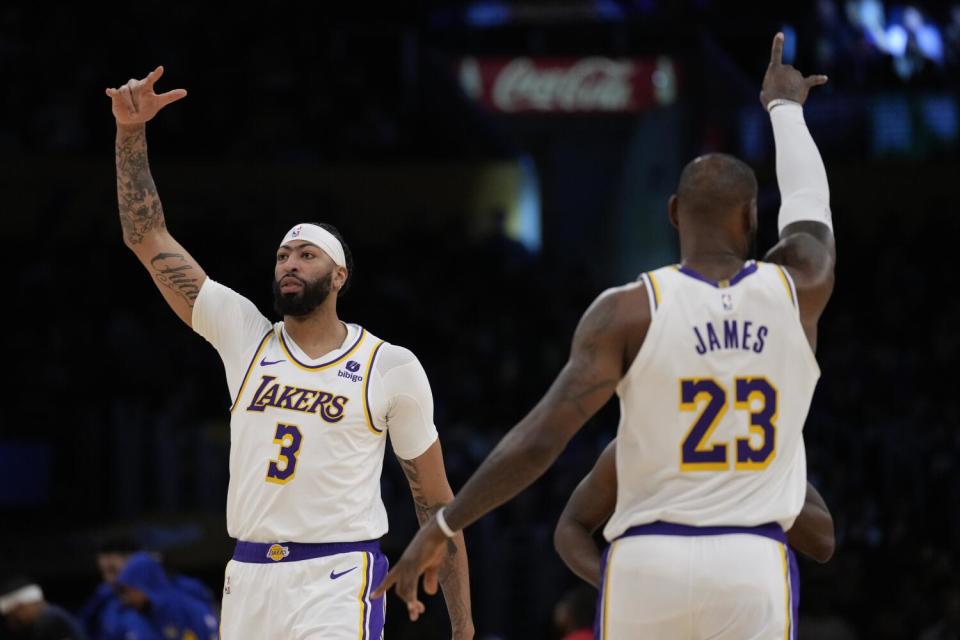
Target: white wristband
column 442, row 523
column 773, row 104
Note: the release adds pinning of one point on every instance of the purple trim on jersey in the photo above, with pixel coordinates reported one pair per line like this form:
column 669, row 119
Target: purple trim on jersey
column 366, row 388
column 748, row 268
column 374, row 628
column 770, row 530
column 794, row 573
column 322, row 364
column 256, row 552
column 598, row 617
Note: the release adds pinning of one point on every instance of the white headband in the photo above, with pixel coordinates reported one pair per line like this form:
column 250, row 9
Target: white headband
column 320, row 237
column 24, row 595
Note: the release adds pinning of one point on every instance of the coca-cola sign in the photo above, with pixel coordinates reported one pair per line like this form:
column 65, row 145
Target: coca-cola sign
column 568, row 85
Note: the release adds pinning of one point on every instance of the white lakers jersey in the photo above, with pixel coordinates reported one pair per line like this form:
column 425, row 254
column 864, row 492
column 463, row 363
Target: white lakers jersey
column 713, row 406
column 307, row 436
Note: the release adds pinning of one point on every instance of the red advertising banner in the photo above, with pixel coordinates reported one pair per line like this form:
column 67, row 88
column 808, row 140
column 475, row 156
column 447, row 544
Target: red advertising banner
column 569, row 85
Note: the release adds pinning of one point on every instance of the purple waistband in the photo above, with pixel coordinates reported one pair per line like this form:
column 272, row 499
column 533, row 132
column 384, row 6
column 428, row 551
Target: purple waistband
column 269, row 552
column 770, row 530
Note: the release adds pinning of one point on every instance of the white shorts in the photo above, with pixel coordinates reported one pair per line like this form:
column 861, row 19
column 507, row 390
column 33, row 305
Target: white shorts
column 669, row 582
column 290, row 591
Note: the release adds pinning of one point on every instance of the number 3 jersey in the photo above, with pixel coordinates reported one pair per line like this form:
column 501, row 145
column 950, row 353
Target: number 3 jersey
column 307, row 436
column 713, row 406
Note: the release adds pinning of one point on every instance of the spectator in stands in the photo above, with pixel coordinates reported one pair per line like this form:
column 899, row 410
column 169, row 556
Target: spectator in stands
column 104, row 616
column 573, row 615
column 30, row 617
column 168, row 611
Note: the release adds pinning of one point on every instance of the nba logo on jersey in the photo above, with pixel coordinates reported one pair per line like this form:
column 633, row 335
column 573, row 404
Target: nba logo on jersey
column 727, row 300
column 277, row 552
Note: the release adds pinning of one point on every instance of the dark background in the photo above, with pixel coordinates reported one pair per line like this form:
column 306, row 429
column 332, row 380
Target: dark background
column 114, row 415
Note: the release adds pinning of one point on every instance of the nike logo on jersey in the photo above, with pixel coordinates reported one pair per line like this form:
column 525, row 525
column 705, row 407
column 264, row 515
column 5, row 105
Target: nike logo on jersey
column 334, row 575
column 264, row 363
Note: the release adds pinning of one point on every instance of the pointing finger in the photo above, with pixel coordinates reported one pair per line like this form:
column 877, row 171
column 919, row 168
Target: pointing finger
column 776, row 53
column 153, row 76
column 384, row 586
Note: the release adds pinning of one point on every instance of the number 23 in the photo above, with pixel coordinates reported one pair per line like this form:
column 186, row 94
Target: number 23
column 696, row 454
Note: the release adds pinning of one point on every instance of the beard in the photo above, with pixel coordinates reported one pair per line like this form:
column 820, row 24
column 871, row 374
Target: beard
column 305, row 301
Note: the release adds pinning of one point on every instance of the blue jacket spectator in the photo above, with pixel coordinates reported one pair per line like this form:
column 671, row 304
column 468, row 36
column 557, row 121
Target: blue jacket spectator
column 167, row 611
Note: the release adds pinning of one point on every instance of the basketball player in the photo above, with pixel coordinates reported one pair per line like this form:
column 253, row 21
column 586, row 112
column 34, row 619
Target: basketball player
column 594, row 500
column 714, row 365
column 313, row 399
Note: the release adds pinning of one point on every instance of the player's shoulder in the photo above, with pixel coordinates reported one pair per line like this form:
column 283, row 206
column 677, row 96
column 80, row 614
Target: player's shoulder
column 622, row 307
column 390, row 356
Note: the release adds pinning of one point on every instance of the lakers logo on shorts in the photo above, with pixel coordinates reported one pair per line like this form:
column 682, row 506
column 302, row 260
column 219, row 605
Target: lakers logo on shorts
column 277, row 552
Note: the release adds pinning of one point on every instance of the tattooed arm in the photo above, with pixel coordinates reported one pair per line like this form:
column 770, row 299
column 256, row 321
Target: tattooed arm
column 430, row 489
column 176, row 273
column 605, row 343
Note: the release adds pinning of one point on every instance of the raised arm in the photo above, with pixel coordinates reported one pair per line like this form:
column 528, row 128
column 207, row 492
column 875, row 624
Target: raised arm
column 591, row 503
column 806, row 248
column 606, row 341
column 176, row 273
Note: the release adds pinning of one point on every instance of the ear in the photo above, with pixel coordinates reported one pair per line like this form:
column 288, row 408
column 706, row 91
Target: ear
column 672, row 211
column 339, row 278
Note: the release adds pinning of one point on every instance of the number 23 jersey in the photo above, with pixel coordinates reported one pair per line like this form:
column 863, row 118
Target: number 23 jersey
column 307, row 437
column 712, row 408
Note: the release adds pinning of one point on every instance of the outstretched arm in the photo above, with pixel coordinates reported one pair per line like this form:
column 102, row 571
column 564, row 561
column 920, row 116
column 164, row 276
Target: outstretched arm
column 806, row 248
column 430, row 489
column 176, row 273
column 589, row 506
column 607, row 339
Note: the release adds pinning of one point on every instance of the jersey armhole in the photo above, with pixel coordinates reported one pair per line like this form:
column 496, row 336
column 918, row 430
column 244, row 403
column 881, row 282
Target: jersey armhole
column 653, row 291
column 788, row 284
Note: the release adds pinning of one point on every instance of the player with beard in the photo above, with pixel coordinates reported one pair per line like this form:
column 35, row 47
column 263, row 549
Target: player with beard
column 313, row 398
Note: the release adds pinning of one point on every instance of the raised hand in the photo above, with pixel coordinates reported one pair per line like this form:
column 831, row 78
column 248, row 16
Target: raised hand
column 136, row 103
column 782, row 81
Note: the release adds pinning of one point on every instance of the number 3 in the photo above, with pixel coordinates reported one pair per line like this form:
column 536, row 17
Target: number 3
column 697, row 455
column 289, row 438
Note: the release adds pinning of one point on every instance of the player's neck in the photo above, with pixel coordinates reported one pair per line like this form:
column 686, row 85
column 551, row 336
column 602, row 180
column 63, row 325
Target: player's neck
column 716, row 263
column 319, row 332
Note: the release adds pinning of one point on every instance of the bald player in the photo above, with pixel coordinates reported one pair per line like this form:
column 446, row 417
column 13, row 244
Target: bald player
column 713, row 362
column 312, row 401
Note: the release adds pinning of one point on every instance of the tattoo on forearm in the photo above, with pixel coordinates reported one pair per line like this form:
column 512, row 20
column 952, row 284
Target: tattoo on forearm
column 140, row 210
column 456, row 591
column 173, row 271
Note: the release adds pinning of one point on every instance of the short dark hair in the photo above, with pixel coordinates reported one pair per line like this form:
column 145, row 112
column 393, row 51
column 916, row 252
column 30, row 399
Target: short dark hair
column 715, row 183
column 347, row 254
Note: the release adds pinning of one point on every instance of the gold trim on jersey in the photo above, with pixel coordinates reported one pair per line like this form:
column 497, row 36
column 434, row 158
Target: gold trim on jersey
column 253, row 363
column 656, row 289
column 606, row 590
column 325, row 365
column 786, row 583
column 786, row 284
column 362, row 598
column 366, row 400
